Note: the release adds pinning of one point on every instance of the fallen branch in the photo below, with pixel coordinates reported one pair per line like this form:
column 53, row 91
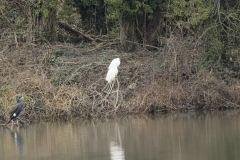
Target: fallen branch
column 147, row 45
column 74, row 31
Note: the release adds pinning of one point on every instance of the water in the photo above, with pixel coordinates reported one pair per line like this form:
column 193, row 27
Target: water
column 188, row 136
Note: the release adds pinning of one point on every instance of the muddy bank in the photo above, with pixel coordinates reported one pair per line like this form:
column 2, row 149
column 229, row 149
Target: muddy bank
column 66, row 81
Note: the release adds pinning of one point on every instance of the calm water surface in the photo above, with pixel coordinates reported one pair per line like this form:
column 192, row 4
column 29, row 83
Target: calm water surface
column 188, row 136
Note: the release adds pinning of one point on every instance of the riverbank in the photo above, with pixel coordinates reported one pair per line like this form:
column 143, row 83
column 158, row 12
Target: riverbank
column 65, row 81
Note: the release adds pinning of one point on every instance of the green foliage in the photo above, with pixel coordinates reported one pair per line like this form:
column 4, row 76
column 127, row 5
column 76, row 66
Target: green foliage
column 224, row 38
column 130, row 8
column 189, row 13
column 40, row 11
column 42, row 7
column 113, row 9
column 26, row 99
column 4, row 89
column 132, row 11
column 69, row 12
column 93, row 14
column 1, row 105
column 114, row 31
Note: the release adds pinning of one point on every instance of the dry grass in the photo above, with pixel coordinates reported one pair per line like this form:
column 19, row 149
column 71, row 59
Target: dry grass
column 56, row 89
column 70, row 85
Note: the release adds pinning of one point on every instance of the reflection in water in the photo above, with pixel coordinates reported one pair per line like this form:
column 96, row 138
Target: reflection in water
column 186, row 136
column 116, row 151
column 17, row 140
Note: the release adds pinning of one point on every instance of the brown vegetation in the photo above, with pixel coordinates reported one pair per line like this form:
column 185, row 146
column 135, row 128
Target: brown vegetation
column 180, row 59
column 64, row 81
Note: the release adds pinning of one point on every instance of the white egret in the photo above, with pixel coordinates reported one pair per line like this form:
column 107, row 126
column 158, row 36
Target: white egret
column 112, row 73
column 115, row 63
column 113, row 70
column 110, row 78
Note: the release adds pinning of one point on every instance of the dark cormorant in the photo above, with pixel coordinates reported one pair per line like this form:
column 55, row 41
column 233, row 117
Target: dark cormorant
column 16, row 109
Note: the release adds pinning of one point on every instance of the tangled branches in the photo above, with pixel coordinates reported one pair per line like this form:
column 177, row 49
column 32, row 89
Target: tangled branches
column 104, row 103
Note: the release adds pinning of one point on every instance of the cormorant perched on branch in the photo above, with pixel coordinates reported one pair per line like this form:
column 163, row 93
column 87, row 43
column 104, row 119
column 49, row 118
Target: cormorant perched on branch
column 16, row 109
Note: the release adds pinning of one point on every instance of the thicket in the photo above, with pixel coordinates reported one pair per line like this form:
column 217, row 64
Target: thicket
column 190, row 49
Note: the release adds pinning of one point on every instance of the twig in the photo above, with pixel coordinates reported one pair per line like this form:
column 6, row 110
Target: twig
column 117, row 95
column 147, row 45
column 3, row 52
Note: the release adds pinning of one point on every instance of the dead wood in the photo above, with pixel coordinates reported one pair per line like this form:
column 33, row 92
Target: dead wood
column 73, row 31
column 77, row 36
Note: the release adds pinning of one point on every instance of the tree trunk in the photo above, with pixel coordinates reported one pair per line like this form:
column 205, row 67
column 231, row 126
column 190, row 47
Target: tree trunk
column 127, row 33
column 51, row 25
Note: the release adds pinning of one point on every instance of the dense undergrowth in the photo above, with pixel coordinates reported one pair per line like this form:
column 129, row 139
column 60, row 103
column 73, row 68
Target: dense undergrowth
column 65, row 81
column 175, row 55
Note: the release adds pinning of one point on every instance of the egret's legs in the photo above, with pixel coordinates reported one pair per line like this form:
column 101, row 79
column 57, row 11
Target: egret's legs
column 117, row 94
column 108, row 87
column 108, row 90
column 111, row 86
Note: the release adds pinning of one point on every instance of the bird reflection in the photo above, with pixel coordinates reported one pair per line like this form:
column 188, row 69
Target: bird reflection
column 116, row 151
column 18, row 141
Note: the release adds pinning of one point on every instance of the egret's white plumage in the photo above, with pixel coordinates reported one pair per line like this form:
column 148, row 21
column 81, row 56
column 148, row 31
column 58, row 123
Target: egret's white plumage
column 113, row 70
column 115, row 63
